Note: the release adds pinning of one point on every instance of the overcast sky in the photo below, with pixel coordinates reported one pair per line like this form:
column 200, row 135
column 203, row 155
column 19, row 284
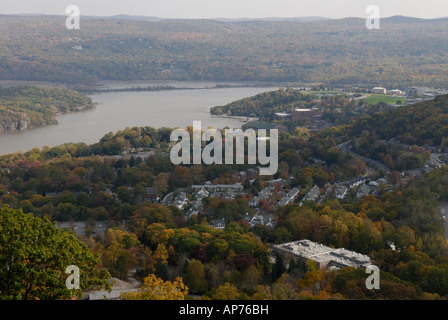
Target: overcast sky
column 232, row 8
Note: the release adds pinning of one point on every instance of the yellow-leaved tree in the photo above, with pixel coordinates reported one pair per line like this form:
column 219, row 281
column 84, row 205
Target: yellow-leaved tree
column 155, row 288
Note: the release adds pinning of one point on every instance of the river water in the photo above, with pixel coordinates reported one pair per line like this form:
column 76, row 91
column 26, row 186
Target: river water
column 117, row 110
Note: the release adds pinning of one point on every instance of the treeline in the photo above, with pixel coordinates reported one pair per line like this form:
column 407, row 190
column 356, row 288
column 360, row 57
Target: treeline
column 331, row 51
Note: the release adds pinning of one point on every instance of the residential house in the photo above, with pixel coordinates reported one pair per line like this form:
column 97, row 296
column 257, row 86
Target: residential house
column 259, row 218
column 356, row 182
column 341, row 192
column 312, row 194
column 181, row 200
column 219, row 224
column 288, row 198
column 254, row 202
column 363, row 190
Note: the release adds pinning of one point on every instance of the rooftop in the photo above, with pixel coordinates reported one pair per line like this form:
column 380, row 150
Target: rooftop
column 312, row 194
column 305, row 110
column 282, row 114
column 324, row 255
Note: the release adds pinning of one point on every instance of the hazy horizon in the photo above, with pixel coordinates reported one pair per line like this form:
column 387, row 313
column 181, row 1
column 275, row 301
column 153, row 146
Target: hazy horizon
column 232, row 9
column 216, row 18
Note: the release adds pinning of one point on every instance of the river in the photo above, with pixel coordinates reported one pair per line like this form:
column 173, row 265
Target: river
column 117, row 110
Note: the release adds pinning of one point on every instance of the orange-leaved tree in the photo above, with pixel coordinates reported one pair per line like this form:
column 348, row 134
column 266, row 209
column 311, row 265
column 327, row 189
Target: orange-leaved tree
column 155, row 288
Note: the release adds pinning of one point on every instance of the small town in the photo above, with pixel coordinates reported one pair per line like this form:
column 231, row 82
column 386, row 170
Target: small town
column 221, row 158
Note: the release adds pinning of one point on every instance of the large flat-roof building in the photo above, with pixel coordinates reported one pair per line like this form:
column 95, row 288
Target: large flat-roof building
column 305, row 114
column 324, row 256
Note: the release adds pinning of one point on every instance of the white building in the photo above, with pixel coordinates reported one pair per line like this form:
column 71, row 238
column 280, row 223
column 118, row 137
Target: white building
column 341, row 192
column 379, row 90
column 395, row 92
column 324, row 256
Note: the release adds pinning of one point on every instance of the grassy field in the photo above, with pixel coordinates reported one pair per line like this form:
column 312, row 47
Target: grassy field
column 375, row 98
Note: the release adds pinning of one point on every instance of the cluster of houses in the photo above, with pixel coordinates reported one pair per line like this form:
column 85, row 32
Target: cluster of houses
column 259, row 217
column 276, row 194
column 277, row 191
column 290, row 197
column 311, row 195
column 262, row 195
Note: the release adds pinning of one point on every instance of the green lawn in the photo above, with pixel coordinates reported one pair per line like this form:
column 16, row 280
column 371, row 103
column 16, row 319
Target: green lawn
column 374, row 98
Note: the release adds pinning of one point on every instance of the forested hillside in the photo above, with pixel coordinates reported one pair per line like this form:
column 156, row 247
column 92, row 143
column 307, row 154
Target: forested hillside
column 266, row 104
column 424, row 123
column 26, row 107
column 336, row 107
column 402, row 53
column 410, row 129
column 76, row 182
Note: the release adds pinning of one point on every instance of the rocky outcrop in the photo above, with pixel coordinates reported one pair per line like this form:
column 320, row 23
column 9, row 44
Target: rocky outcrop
column 13, row 121
column 17, row 121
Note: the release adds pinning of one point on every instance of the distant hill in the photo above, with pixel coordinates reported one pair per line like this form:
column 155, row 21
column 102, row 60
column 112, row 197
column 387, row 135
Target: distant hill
column 153, row 18
column 338, row 52
column 292, row 19
column 125, row 17
column 411, row 20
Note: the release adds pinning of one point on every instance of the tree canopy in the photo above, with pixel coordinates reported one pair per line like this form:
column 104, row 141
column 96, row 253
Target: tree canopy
column 34, row 255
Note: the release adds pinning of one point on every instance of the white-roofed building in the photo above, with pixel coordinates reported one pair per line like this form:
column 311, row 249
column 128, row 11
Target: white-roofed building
column 324, row 256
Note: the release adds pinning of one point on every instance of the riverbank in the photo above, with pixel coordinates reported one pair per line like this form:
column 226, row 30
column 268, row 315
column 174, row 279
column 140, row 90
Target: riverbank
column 22, row 121
column 104, row 87
column 24, row 107
column 117, row 110
column 154, row 85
